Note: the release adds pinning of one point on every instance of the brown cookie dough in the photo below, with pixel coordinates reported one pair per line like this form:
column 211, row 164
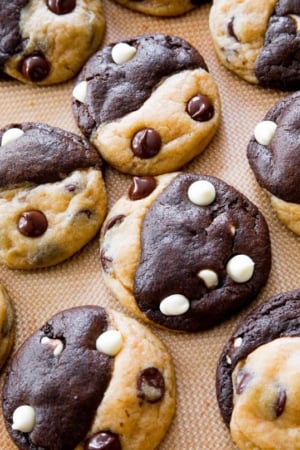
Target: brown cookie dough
column 184, row 251
column 52, row 195
column 259, row 40
column 162, row 7
column 148, row 104
column 69, row 386
column 46, row 42
column 7, row 333
column 258, row 376
column 274, row 156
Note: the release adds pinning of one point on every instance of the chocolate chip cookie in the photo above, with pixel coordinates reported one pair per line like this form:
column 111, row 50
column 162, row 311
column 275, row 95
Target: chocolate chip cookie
column 259, row 40
column 7, row 333
column 52, row 195
column 46, row 42
column 69, row 387
column 258, row 376
column 184, row 251
column 148, row 104
column 162, row 7
column 274, row 156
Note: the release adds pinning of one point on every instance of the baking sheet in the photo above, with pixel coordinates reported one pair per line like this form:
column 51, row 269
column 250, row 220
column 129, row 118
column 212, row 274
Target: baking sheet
column 39, row 294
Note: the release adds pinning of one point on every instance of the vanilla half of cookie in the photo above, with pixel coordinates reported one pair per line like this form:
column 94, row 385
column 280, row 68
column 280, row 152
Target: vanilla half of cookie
column 62, row 383
column 7, row 332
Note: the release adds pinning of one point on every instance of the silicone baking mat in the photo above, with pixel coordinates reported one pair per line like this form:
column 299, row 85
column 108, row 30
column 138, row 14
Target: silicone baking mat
column 39, row 294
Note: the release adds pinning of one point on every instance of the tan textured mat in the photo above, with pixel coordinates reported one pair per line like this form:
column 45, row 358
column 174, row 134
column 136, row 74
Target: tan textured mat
column 39, row 294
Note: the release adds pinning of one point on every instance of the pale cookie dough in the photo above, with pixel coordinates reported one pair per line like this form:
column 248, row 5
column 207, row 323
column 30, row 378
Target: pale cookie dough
column 184, row 251
column 258, row 387
column 52, row 195
column 259, row 40
column 94, row 379
column 148, row 104
column 7, row 333
column 162, row 7
column 273, row 154
column 46, row 42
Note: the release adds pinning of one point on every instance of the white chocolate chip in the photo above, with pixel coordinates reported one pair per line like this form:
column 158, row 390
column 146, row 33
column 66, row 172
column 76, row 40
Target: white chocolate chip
column 80, row 91
column 228, row 359
column 232, row 230
column 174, row 305
column 209, row 277
column 110, row 342
column 296, row 20
column 12, row 134
column 56, row 345
column 240, row 268
column 23, row 419
column 202, row 193
column 264, row 131
column 122, row 52
column 237, row 342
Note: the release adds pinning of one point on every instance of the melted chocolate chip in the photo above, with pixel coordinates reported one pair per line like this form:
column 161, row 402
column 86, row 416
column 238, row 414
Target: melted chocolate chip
column 61, row 6
column 32, row 223
column 146, row 143
column 200, row 108
column 151, row 385
column 105, row 261
column 141, row 187
column 71, row 187
column 113, row 221
column 35, row 68
column 280, row 402
column 103, row 441
column 230, row 28
column 242, row 380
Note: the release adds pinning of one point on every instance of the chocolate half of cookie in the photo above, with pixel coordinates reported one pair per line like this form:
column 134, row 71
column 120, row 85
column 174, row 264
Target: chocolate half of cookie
column 201, row 251
column 258, row 375
column 63, row 387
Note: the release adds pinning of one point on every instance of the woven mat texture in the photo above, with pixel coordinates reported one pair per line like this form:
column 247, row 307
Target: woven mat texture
column 39, row 294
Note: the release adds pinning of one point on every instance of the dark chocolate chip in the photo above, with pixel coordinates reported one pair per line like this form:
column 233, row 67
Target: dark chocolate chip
column 85, row 212
column 230, row 28
column 280, row 402
column 141, row 187
column 113, row 221
column 105, row 261
column 200, row 108
column 151, row 385
column 35, row 68
column 103, row 441
column 61, row 6
column 146, row 143
column 242, row 380
column 32, row 223
column 71, row 187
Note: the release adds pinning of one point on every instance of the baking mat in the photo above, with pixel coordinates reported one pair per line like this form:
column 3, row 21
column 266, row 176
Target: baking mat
column 39, row 294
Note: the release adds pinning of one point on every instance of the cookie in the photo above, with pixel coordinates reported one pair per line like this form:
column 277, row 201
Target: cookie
column 273, row 154
column 258, row 376
column 71, row 380
column 7, row 332
column 52, row 195
column 162, row 7
column 46, row 42
column 259, row 40
column 184, row 251
column 148, row 104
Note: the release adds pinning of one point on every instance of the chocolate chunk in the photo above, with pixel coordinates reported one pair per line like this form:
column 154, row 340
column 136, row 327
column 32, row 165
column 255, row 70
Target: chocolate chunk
column 35, row 68
column 180, row 238
column 151, row 385
column 146, row 143
column 200, row 108
column 105, row 260
column 129, row 85
column 278, row 64
column 44, row 154
column 141, row 187
column 54, row 386
column 242, row 380
column 103, row 441
column 61, row 6
column 32, row 223
column 276, row 165
column 230, row 28
column 113, row 221
column 280, row 402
